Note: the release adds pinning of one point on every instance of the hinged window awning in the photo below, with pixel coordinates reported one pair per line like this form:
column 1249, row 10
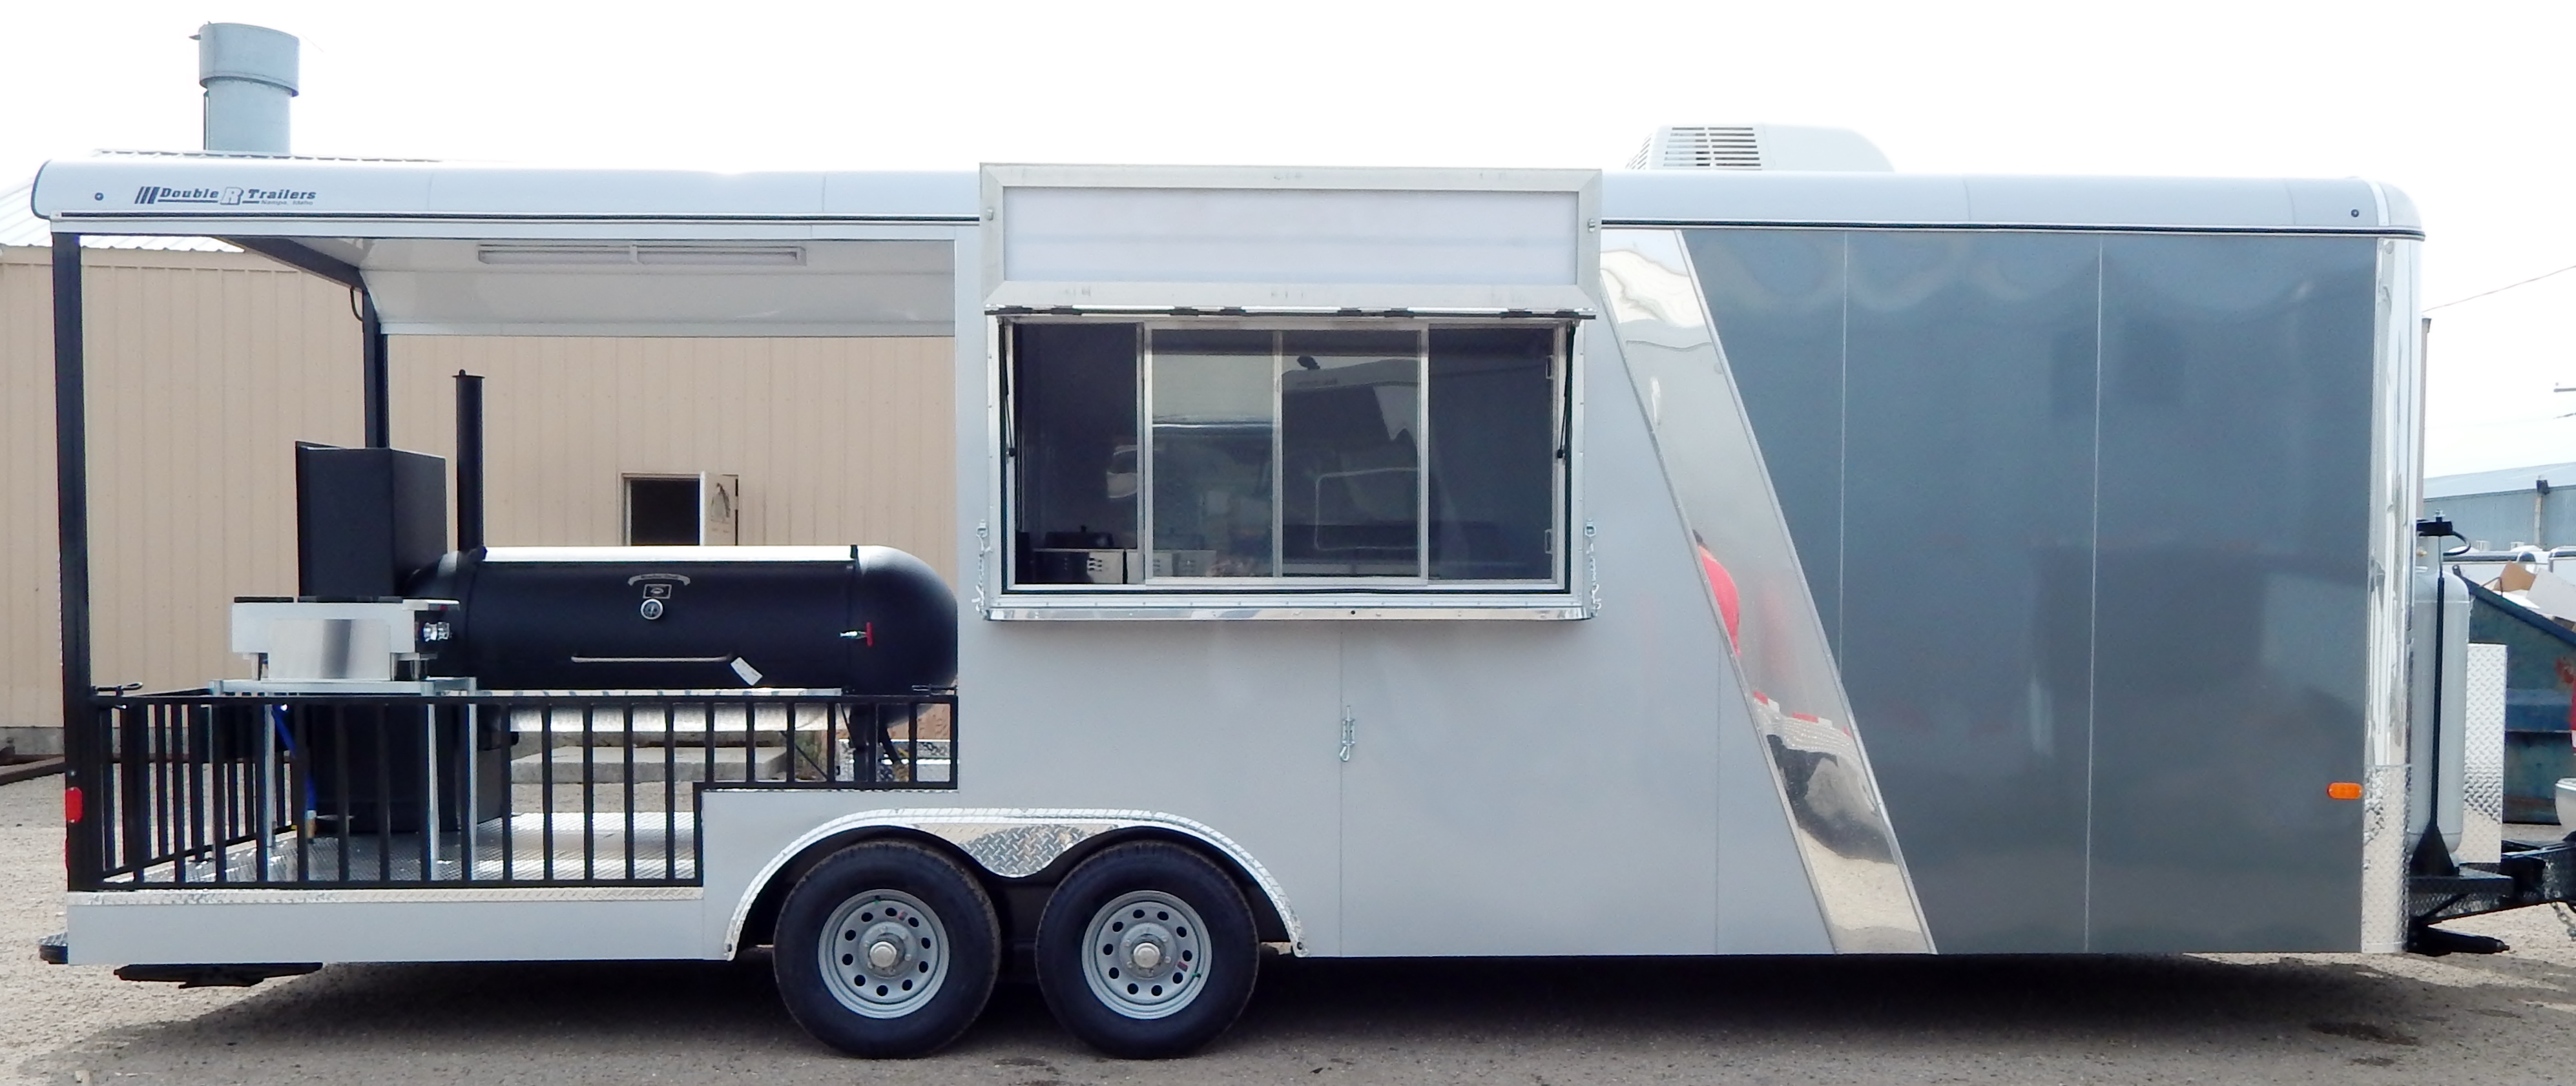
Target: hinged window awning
column 1247, row 238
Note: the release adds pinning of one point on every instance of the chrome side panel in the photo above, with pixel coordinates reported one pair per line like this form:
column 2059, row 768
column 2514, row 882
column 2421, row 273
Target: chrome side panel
column 1819, row 767
column 2396, row 482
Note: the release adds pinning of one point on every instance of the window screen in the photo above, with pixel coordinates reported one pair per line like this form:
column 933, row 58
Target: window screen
column 1206, row 455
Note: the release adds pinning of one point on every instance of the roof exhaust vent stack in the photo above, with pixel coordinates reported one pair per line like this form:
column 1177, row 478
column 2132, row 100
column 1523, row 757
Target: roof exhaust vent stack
column 249, row 73
column 1759, row 147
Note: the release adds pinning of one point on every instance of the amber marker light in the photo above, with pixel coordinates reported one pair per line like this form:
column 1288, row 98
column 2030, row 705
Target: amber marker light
column 2343, row 790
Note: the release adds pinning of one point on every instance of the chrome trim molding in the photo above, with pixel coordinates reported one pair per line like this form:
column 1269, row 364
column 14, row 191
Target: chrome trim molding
column 1016, row 843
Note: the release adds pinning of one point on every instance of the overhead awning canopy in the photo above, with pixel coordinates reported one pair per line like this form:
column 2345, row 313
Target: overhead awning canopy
column 486, row 250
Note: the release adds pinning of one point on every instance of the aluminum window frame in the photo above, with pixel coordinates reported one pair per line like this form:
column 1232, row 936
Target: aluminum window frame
column 1559, row 596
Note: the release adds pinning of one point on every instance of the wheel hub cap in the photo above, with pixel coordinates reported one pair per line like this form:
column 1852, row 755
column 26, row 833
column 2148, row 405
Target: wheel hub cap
column 884, row 953
column 1147, row 955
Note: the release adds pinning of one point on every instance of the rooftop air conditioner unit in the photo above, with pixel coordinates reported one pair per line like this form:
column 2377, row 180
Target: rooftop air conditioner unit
column 1758, row 147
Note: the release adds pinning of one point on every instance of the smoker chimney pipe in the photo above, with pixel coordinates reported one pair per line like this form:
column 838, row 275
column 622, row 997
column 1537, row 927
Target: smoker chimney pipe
column 469, row 461
column 249, row 73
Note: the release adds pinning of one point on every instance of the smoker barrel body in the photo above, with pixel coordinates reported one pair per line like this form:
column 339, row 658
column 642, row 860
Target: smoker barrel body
column 866, row 620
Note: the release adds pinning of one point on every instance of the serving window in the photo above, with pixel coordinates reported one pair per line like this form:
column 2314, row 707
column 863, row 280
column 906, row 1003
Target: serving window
column 1210, row 455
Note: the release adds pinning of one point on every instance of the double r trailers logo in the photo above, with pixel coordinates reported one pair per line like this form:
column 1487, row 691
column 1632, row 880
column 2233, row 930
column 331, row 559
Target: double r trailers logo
column 223, row 197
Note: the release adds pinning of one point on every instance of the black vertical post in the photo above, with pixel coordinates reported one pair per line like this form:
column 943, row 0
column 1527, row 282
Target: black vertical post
column 71, row 496
column 380, row 426
column 469, row 461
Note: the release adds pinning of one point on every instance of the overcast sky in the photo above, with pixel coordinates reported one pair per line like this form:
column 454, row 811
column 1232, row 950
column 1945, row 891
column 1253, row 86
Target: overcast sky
column 2465, row 106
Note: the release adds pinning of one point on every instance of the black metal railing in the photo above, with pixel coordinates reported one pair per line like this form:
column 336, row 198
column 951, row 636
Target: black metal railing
column 205, row 790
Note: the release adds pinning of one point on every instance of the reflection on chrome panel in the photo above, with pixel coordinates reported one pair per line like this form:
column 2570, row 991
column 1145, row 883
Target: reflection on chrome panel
column 1780, row 655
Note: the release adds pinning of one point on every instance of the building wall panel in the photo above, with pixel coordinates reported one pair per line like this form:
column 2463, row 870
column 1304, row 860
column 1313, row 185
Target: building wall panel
column 835, row 440
column 203, row 370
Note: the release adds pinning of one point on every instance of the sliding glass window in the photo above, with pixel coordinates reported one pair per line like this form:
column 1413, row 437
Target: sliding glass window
column 1382, row 454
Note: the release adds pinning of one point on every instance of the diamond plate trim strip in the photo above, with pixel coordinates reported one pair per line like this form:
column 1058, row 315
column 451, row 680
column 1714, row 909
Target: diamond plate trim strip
column 2383, row 859
column 2482, row 756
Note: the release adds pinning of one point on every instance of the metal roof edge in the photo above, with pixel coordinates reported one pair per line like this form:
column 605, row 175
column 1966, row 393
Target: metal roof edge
column 124, row 192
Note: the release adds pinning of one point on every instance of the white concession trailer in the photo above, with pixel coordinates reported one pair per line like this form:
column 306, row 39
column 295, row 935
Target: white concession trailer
column 1352, row 563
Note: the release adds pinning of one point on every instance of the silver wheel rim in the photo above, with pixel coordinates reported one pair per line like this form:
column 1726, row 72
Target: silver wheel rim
column 884, row 954
column 1146, row 956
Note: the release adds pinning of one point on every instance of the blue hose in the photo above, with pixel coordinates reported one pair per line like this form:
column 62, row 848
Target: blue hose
column 277, row 720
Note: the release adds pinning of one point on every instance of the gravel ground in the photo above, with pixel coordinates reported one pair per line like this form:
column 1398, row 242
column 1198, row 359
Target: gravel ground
column 2255, row 1018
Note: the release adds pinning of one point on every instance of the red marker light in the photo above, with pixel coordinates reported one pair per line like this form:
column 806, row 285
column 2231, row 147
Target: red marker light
column 71, row 805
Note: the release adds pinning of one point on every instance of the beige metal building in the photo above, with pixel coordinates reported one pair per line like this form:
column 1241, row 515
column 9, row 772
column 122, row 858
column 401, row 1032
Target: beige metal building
column 206, row 367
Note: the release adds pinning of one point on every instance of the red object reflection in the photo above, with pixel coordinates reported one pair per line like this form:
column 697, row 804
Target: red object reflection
column 1722, row 587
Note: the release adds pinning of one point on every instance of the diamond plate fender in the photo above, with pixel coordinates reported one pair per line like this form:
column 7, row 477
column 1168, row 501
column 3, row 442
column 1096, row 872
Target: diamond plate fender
column 1016, row 843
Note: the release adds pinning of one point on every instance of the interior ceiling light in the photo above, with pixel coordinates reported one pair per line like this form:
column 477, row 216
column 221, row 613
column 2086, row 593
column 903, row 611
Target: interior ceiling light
column 575, row 253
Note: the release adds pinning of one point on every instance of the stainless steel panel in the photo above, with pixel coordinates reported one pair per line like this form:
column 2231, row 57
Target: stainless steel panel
column 2236, row 591
column 2448, row 742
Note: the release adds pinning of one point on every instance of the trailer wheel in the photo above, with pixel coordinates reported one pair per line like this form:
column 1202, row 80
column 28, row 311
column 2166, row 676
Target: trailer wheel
column 886, row 949
column 1146, row 951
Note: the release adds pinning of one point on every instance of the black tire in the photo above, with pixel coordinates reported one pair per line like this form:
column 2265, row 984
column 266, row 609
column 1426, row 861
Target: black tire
column 873, row 879
column 1143, row 875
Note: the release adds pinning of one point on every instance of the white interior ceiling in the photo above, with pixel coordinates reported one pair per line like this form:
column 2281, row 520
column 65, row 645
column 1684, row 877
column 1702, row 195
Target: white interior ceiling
column 595, row 287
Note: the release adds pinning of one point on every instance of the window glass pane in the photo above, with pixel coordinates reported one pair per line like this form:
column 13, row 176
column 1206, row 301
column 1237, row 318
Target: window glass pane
column 1074, row 429
column 1350, row 424
column 1493, row 453
column 1212, row 404
column 661, row 512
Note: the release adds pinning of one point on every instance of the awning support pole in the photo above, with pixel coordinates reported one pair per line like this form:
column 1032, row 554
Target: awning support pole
column 71, row 497
column 380, row 424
